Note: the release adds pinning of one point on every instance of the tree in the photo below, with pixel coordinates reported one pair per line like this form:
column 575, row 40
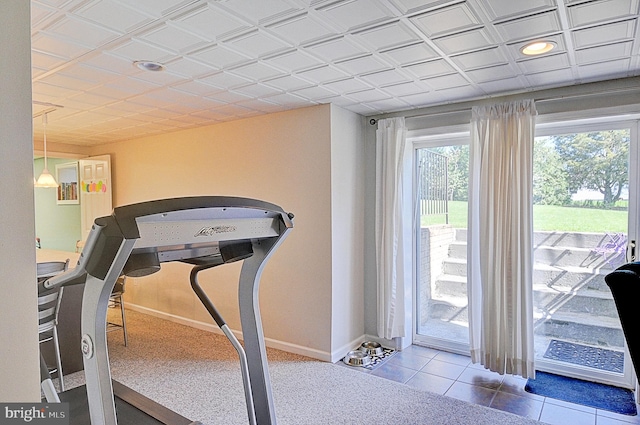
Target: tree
column 596, row 161
column 550, row 182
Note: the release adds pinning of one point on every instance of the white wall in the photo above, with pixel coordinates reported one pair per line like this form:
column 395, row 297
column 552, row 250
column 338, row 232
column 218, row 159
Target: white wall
column 19, row 358
column 283, row 158
column 347, row 231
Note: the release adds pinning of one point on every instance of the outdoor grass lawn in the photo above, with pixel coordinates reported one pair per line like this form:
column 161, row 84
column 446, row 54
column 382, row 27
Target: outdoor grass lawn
column 551, row 218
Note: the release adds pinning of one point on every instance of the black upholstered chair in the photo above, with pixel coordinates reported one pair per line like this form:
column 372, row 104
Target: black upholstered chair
column 624, row 283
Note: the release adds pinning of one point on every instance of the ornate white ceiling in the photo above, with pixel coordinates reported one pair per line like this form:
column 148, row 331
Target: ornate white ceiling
column 227, row 60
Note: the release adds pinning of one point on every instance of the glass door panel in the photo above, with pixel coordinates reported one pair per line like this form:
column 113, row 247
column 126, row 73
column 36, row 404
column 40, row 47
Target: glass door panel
column 441, row 306
column 581, row 199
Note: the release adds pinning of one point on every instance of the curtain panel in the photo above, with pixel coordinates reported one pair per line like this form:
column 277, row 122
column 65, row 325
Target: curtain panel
column 500, row 237
column 391, row 245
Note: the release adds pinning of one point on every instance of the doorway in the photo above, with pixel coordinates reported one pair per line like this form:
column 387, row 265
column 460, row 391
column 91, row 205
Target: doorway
column 584, row 198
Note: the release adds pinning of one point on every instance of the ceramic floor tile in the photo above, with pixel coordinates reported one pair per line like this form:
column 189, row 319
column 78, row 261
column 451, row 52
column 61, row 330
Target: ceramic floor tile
column 471, row 393
column 623, row 419
column 604, row 420
column 521, row 406
column 431, row 383
column 453, row 358
column 394, row 372
column 444, row 369
column 554, row 414
column 410, row 360
column 421, row 351
column 515, row 385
column 483, row 378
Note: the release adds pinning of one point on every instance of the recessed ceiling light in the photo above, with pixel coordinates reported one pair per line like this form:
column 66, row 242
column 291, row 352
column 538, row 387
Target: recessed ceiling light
column 537, row 47
column 149, row 66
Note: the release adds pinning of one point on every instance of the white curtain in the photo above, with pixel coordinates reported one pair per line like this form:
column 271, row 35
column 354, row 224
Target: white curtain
column 500, row 237
column 390, row 234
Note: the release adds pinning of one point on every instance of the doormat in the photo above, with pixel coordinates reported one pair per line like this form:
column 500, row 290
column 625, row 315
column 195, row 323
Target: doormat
column 600, row 396
column 583, row 355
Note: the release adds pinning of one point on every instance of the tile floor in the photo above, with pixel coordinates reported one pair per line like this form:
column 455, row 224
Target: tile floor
column 455, row 376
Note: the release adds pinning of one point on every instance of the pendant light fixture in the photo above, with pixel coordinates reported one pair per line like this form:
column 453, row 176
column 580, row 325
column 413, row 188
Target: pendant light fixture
column 45, row 179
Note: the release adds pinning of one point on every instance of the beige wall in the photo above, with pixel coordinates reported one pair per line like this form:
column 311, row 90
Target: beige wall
column 283, row 158
column 19, row 361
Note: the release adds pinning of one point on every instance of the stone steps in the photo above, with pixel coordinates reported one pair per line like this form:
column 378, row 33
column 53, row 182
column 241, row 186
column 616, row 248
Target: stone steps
column 569, row 288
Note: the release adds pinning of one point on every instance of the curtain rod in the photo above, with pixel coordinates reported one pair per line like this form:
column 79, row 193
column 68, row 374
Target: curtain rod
column 548, row 95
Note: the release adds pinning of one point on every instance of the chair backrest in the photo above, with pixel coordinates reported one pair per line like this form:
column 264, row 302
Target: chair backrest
column 49, row 299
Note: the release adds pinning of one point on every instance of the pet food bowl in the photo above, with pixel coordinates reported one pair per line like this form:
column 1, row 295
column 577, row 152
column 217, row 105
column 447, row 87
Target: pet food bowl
column 357, row 358
column 372, row 348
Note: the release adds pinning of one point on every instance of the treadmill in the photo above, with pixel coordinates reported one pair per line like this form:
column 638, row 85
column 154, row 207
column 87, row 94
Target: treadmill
column 206, row 232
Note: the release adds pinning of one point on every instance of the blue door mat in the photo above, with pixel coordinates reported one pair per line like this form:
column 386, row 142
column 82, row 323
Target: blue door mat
column 599, row 396
column 584, row 355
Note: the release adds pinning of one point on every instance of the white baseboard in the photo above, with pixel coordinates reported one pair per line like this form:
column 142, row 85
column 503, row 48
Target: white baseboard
column 209, row 327
column 339, row 353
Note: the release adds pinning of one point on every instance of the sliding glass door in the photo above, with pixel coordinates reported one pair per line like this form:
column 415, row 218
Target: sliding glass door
column 583, row 198
column 585, row 192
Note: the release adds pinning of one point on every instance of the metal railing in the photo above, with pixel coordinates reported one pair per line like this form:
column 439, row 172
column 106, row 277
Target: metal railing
column 433, row 184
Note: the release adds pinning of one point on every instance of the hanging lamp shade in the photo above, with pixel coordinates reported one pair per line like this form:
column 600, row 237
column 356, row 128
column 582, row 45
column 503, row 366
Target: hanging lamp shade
column 45, row 179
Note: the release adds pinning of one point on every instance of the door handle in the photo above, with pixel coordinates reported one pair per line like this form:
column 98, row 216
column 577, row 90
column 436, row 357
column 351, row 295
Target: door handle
column 632, row 250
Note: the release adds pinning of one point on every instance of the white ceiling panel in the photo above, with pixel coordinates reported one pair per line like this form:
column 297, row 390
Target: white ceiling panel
column 301, row 30
column 604, row 53
column 604, row 34
column 530, row 26
column 350, row 15
column 420, row 52
column 113, row 15
column 225, row 60
column 504, row 9
column 599, row 11
column 446, row 21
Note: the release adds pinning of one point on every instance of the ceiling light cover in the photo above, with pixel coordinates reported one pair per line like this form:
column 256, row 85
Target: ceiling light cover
column 538, row 47
column 149, row 66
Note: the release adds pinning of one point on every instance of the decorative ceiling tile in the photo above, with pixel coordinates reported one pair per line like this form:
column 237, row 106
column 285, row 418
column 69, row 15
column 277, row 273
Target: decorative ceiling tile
column 256, row 71
column 447, row 20
column 173, row 38
column 385, row 78
column 135, row 50
column 406, row 89
column 444, row 82
column 386, row 36
column 294, row 61
column 218, row 57
column 336, row 49
column 301, row 30
column 464, row 42
column 492, row 73
column 601, row 11
column 604, row 34
column 287, row 83
column 414, row 53
column 45, row 43
column 550, row 78
column 604, row 53
column 157, row 8
column 351, row 15
column 614, row 69
column 93, row 35
column 113, row 15
column 544, row 64
column 261, row 12
column 503, row 9
column 363, row 65
column 430, row 69
column 210, row 23
column 412, row 6
column 348, row 85
column 480, row 59
column 323, row 74
column 257, row 44
column 530, row 26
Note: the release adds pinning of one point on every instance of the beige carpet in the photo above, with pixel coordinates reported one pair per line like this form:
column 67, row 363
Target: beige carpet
column 197, row 374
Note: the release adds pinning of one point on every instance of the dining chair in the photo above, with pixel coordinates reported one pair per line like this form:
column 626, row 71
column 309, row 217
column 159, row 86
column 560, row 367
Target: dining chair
column 48, row 308
column 116, row 301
